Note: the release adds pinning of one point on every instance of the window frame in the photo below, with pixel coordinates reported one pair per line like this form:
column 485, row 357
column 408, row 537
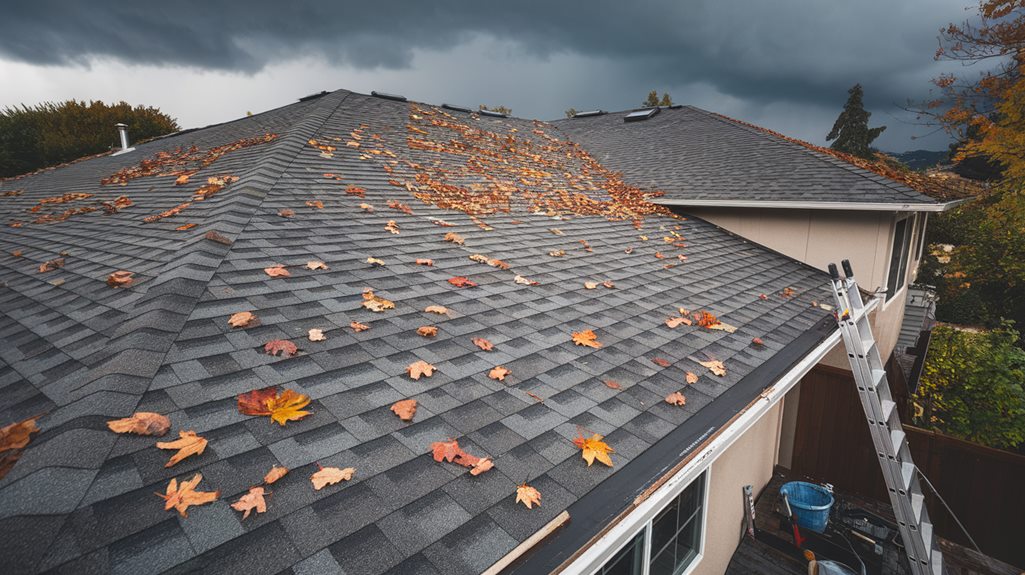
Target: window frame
column 905, row 247
column 923, row 221
column 705, row 477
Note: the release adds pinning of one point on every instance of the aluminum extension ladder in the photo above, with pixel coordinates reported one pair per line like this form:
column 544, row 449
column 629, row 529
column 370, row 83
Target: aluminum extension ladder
column 899, row 470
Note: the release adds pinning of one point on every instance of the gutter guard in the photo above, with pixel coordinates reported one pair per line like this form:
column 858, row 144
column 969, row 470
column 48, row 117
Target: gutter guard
column 799, row 205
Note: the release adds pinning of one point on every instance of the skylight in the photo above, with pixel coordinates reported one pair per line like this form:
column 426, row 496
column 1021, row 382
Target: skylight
column 640, row 115
column 589, row 114
column 387, row 96
column 456, row 108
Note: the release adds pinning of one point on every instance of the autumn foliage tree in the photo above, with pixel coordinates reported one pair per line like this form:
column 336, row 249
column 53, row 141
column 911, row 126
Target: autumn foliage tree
column 850, row 133
column 653, row 101
column 47, row 134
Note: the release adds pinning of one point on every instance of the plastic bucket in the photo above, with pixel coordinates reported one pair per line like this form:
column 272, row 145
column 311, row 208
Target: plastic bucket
column 811, row 503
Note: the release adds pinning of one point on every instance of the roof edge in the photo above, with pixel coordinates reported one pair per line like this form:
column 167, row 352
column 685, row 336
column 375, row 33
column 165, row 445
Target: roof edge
column 810, row 205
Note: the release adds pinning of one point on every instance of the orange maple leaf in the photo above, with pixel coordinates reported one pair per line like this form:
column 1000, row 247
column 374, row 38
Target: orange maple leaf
column 483, row 464
column 251, row 501
column 278, row 271
column 446, row 450
column 181, row 497
column 418, row 368
column 691, row 378
column 661, row 361
column 676, row 398
column 120, row 279
column 483, row 343
column 241, row 319
column 673, row 322
column 316, row 265
column 587, row 338
column 188, row 444
column 13, row 439
column 280, row 346
column 282, row 407
column 358, row 327
column 316, row 335
column 611, row 384
column 331, row 475
column 461, row 281
column 376, row 303
column 427, row 331
column 424, row 262
column 454, row 238
column 405, row 409
column 715, row 366
column 438, row 309
column 594, row 448
column 141, row 423
column 276, row 472
column 499, row 373
column 528, row 496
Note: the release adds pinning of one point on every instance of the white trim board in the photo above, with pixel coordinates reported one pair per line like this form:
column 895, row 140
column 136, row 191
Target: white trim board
column 701, row 460
column 808, row 205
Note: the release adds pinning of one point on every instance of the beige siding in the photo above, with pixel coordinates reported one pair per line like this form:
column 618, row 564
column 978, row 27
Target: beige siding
column 749, row 461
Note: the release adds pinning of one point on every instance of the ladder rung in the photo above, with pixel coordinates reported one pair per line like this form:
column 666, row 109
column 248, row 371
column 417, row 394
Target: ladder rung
column 936, row 562
column 917, row 504
column 926, row 529
column 887, row 410
column 878, row 377
column 907, row 474
column 896, row 438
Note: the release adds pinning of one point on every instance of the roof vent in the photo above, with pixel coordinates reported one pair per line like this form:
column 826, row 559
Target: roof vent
column 589, row 114
column 122, row 130
column 492, row 113
column 640, row 115
column 457, row 108
column 387, row 96
column 313, row 96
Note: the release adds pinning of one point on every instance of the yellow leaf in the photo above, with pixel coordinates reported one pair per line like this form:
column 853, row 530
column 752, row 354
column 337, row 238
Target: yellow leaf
column 587, row 338
column 276, row 472
column 181, row 497
column 715, row 367
column 528, row 496
column 188, row 444
column 331, row 475
column 287, row 406
column 594, row 448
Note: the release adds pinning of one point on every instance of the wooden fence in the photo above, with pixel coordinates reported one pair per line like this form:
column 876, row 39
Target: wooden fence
column 985, row 487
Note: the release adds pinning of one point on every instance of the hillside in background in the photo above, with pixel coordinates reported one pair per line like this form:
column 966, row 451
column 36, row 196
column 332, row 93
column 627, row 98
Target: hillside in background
column 921, row 159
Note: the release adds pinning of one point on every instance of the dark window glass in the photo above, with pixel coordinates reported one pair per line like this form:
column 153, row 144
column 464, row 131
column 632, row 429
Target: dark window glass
column 922, row 217
column 898, row 259
column 683, row 519
column 628, row 561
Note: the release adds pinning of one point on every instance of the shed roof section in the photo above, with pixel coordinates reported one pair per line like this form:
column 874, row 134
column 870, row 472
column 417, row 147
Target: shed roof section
column 700, row 158
column 81, row 498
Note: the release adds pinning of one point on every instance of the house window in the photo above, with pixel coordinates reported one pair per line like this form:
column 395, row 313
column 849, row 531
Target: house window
column 920, row 235
column 898, row 258
column 669, row 543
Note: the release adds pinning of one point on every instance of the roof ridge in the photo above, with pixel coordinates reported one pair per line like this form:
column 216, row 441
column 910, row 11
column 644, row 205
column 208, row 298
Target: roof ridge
column 132, row 363
column 807, row 147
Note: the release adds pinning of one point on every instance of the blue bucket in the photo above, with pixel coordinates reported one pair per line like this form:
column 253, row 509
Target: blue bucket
column 811, row 503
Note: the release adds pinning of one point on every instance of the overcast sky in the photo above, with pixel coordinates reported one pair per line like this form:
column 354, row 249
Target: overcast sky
column 782, row 64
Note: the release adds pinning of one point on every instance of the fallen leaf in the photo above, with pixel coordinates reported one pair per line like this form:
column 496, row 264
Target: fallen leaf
column 676, row 398
column 461, row 281
column 276, row 472
column 612, row 384
column 13, row 439
column 628, row 250
column 251, row 501
column 427, row 331
column 528, row 496
column 375, row 261
column 188, row 444
column 16, row 253
column 316, row 265
column 185, row 227
column 277, row 272
column 216, row 237
column 446, row 450
column 586, row 337
column 590, row 285
column 376, row 303
column 788, row 292
column 661, row 361
column 483, row 343
column 438, row 309
column 524, row 281
column 705, row 319
column 691, row 377
column 557, row 253
column 673, row 322
column 483, row 464
column 557, row 231
column 280, row 346
column 181, row 180
column 594, row 448
column 317, row 335
column 424, row 262
column 763, row 296
column 535, row 396
column 392, row 227
column 715, row 367
column 316, row 204
column 286, row 213
column 499, row 373
column 418, row 368
column 281, row 406
column 50, row 265
column 181, row 497
column 241, row 319
column 141, row 423
column 405, row 409
column 757, row 341
column 608, row 284
column 723, row 327
column 120, row 279
column 331, row 475
column 455, row 238
column 358, row 327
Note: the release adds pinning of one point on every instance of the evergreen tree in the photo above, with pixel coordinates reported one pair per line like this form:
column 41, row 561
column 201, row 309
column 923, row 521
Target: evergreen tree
column 851, row 132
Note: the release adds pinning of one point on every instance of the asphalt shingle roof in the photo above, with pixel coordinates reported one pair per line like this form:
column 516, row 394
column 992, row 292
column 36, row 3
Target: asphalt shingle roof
column 81, row 499
column 692, row 154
